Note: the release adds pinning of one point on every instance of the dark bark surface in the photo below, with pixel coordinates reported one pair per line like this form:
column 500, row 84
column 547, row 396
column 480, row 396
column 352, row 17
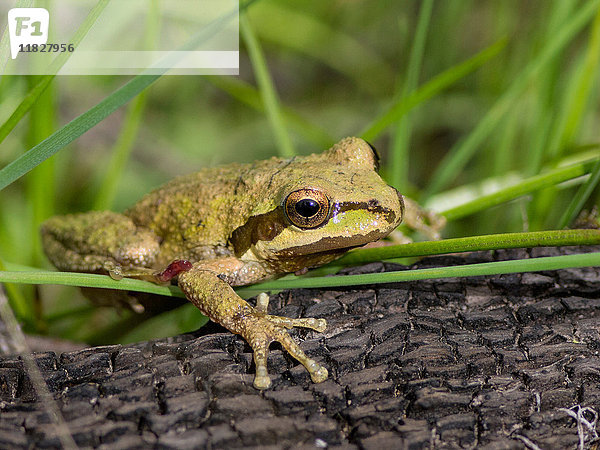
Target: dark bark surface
column 486, row 362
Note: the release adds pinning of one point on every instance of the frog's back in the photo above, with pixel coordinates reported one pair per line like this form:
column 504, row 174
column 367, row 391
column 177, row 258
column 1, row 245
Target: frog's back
column 202, row 209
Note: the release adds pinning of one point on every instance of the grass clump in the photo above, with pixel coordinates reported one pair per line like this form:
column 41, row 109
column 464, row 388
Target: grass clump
column 489, row 109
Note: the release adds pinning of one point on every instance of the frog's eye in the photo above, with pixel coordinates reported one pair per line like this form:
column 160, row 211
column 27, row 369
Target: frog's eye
column 307, row 208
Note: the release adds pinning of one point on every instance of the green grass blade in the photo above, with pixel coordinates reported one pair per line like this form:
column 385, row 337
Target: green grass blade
column 581, row 197
column 25, row 105
column 526, row 186
column 86, row 280
column 120, row 154
column 573, row 116
column 87, row 120
column 400, row 155
column 59, row 61
column 40, row 186
column 552, row 238
column 464, row 150
column 17, row 301
column 297, row 30
column 267, row 89
column 544, row 109
column 584, row 82
column 74, row 129
column 467, row 270
column 430, row 89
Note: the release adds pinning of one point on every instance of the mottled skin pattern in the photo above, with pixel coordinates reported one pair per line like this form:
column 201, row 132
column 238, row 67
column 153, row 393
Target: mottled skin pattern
column 239, row 224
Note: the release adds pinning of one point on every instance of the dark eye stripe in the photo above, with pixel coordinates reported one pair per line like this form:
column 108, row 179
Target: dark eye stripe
column 267, row 226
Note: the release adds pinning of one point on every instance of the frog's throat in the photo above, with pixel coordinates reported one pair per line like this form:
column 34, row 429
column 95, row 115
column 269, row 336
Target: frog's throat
column 266, row 227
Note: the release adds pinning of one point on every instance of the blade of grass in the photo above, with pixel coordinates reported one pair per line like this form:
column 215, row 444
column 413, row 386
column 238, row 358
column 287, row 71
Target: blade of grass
column 581, row 197
column 568, row 117
column 400, row 156
column 571, row 117
column 430, row 89
column 32, row 96
column 99, row 112
column 40, row 185
column 17, row 301
column 87, row 280
column 544, row 110
column 267, row 89
column 526, row 186
column 120, row 154
column 583, row 81
column 467, row 270
column 462, row 152
column 39, row 188
column 552, row 238
column 74, row 129
column 307, row 34
column 93, row 116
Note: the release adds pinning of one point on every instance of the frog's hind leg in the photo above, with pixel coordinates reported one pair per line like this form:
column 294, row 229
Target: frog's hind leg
column 216, row 299
column 98, row 242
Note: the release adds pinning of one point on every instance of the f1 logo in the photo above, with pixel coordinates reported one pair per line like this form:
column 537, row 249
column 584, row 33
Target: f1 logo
column 27, row 26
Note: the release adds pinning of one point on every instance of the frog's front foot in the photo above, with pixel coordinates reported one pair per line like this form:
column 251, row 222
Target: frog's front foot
column 260, row 329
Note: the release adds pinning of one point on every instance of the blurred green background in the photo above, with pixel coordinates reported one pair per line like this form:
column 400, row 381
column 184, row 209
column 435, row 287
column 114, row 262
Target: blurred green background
column 338, row 67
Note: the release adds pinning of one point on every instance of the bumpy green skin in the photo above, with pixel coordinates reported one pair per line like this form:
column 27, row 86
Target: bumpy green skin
column 231, row 223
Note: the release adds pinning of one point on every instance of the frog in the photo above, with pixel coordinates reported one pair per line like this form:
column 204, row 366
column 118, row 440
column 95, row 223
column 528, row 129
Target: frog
column 235, row 225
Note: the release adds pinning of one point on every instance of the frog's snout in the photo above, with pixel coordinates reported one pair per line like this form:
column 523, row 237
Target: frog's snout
column 393, row 203
column 401, row 206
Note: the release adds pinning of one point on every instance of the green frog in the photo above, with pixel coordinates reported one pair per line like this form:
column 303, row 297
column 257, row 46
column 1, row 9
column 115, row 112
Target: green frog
column 236, row 225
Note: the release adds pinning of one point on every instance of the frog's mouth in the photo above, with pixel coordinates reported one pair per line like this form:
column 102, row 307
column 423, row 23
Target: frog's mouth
column 318, row 253
column 333, row 245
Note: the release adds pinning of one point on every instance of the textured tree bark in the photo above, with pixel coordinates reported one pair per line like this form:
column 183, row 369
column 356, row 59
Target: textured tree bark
column 486, row 361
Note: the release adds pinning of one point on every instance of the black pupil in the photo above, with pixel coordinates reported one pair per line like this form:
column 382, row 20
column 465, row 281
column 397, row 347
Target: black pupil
column 307, row 207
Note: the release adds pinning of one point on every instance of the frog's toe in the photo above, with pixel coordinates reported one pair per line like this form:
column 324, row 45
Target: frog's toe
column 261, row 379
column 310, row 322
column 317, row 372
column 262, row 303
